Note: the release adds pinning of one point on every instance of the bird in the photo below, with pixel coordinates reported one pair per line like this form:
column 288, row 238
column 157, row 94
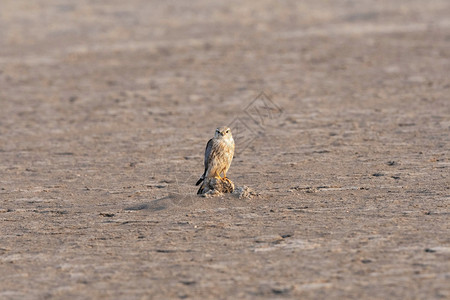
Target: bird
column 219, row 153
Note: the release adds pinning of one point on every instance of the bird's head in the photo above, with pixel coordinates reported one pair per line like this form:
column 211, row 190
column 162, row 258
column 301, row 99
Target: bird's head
column 223, row 132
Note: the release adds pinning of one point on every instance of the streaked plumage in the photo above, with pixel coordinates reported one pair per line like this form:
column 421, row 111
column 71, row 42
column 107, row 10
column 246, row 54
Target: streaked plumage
column 218, row 155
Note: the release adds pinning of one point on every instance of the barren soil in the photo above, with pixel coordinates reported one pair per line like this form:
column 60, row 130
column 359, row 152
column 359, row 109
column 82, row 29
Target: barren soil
column 105, row 110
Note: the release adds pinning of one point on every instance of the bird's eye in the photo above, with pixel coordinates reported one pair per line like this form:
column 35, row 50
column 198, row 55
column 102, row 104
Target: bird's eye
column 227, row 131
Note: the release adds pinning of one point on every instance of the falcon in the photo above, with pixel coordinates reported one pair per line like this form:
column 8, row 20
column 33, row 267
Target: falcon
column 218, row 155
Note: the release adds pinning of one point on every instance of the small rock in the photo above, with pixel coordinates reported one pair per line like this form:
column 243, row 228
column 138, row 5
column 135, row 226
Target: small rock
column 244, row 192
column 107, row 215
column 281, row 290
column 188, row 282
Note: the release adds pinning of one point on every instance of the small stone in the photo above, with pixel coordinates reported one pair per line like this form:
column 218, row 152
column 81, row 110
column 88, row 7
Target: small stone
column 244, row 192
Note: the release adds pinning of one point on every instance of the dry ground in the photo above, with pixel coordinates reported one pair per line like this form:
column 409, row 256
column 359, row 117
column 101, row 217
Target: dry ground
column 105, row 109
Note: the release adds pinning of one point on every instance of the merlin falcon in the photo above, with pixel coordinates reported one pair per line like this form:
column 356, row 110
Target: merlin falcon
column 218, row 156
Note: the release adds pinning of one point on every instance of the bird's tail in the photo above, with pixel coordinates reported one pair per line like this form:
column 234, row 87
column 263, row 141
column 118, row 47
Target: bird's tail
column 200, row 190
column 200, row 180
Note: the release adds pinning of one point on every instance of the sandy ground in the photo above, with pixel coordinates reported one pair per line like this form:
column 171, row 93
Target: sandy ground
column 105, row 110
